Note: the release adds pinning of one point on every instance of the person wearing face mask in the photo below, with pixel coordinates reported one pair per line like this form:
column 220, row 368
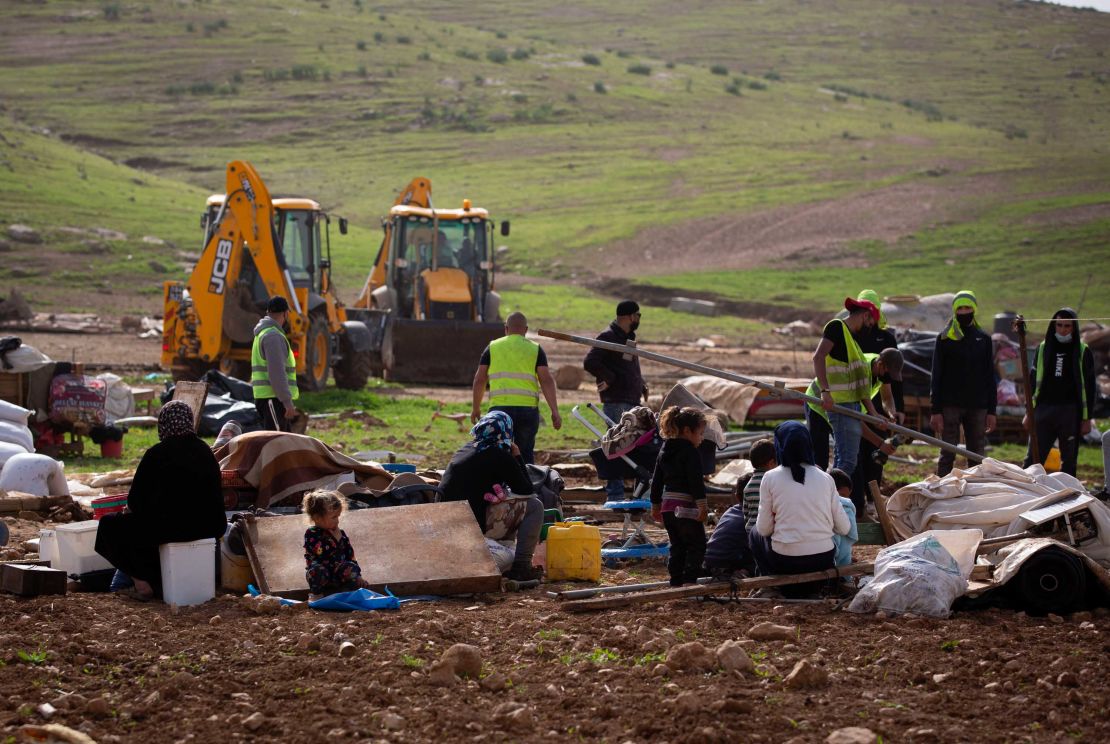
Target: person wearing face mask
column 1063, row 385
column 963, row 390
column 273, row 369
column 619, row 381
column 842, row 377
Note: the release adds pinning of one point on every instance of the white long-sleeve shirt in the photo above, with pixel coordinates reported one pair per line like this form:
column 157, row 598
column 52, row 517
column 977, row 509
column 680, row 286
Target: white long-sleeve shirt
column 800, row 518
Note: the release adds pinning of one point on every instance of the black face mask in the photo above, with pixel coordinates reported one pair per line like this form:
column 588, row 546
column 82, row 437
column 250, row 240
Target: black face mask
column 965, row 321
column 887, row 379
column 632, row 328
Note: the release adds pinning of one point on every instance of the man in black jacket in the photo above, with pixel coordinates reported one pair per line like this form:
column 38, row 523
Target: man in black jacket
column 964, row 391
column 619, row 382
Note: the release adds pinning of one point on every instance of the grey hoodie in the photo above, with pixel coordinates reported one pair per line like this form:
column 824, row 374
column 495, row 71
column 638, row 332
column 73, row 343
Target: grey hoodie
column 275, row 350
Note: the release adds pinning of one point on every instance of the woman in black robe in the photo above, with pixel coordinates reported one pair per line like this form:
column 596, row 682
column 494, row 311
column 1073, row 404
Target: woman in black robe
column 175, row 497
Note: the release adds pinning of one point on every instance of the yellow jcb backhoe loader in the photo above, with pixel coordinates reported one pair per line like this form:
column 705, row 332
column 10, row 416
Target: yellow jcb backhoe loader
column 257, row 247
column 429, row 300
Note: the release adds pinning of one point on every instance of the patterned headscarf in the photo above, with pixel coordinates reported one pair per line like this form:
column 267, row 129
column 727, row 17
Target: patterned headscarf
column 794, row 448
column 175, row 420
column 495, row 429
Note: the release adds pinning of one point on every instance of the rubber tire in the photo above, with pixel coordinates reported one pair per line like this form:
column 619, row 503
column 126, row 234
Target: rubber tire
column 1053, row 581
column 196, row 370
column 316, row 338
column 354, row 369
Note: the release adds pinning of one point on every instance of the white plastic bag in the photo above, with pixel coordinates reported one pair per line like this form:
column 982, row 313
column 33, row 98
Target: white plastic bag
column 923, row 575
column 13, row 433
column 502, row 554
column 37, row 475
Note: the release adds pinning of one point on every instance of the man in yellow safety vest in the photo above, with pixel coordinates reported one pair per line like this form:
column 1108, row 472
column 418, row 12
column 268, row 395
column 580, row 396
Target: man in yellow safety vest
column 273, row 369
column 516, row 371
column 843, row 378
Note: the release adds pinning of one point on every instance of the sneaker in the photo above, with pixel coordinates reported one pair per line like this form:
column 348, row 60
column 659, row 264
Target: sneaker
column 524, row 573
column 768, row 592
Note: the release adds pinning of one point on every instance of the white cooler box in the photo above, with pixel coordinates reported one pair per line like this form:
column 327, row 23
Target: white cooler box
column 74, row 548
column 188, row 571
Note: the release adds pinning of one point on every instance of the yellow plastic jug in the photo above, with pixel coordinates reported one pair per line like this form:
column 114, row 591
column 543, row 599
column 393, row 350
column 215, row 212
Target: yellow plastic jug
column 573, row 552
column 1052, row 463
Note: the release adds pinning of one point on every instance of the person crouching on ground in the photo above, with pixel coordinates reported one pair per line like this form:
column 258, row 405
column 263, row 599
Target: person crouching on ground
column 493, row 459
column 330, row 564
column 799, row 511
column 844, row 543
column 727, row 554
column 678, row 491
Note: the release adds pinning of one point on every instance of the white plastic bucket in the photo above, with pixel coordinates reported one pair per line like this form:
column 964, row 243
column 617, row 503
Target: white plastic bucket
column 188, row 571
column 75, row 548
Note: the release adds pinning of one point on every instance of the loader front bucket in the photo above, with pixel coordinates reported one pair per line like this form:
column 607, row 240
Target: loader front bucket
column 439, row 352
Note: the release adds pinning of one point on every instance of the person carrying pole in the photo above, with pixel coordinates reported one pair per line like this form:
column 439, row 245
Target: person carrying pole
column 516, row 371
column 843, row 378
column 963, row 387
column 1063, row 389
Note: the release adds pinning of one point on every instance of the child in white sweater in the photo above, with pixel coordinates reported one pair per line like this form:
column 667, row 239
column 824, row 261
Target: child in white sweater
column 799, row 511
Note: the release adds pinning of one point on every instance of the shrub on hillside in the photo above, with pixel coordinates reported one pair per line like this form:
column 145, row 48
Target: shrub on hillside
column 521, row 54
column 498, row 56
column 599, row 87
column 361, row 46
column 591, row 59
column 639, row 69
column 467, row 54
column 719, row 70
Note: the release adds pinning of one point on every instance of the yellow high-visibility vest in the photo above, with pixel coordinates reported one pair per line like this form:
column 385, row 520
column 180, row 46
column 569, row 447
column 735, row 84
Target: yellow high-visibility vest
column 260, row 379
column 512, row 372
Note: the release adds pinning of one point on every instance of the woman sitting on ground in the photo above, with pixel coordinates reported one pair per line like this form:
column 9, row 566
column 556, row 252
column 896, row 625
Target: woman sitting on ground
column 493, row 459
column 799, row 510
column 175, row 497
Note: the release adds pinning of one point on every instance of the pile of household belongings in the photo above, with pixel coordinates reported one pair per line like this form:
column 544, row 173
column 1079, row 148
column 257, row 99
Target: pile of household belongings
column 1060, row 554
column 739, row 401
column 269, row 467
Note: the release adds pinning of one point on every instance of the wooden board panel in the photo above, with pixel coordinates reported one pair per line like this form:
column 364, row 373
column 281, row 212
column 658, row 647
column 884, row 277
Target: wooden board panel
column 193, row 393
column 419, row 549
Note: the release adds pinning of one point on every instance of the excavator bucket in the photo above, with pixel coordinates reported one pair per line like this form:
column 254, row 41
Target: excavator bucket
column 438, row 352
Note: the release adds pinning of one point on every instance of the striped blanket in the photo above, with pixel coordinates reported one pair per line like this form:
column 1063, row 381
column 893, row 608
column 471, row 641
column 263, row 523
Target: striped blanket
column 279, row 464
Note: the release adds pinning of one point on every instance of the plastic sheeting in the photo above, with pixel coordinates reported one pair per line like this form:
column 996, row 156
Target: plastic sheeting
column 923, row 575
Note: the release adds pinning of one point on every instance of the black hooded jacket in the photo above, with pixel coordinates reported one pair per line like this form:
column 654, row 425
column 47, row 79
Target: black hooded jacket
column 620, row 371
column 1062, row 364
column 678, row 469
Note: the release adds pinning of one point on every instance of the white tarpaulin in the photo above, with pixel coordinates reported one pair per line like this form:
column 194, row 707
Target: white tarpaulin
column 990, row 496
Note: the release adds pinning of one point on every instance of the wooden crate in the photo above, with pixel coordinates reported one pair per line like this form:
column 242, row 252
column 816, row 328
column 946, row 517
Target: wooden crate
column 14, row 386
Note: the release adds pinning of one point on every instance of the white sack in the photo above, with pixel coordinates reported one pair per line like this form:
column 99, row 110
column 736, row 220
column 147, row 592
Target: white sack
column 26, row 359
column 502, row 554
column 8, row 451
column 14, row 433
column 119, row 401
column 37, row 475
column 12, row 412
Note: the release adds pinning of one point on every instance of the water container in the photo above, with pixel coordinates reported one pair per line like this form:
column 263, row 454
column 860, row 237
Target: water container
column 1053, row 462
column 235, row 570
column 573, row 552
column 75, row 545
column 188, row 571
column 48, row 546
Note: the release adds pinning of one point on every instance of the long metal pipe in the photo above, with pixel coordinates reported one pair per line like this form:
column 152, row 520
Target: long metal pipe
column 776, row 390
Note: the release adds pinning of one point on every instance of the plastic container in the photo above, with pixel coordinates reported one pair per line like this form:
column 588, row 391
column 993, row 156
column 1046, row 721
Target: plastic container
column 109, row 505
column 75, row 545
column 235, row 570
column 48, row 547
column 573, row 552
column 398, row 467
column 112, row 448
column 188, row 571
column 1053, row 462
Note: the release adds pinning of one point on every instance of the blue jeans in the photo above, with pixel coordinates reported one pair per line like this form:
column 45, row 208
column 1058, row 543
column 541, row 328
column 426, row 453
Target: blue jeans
column 614, row 489
column 846, row 435
column 526, row 424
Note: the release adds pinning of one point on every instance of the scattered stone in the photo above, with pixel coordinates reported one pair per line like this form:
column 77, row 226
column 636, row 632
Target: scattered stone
column 732, row 657
column 308, row 642
column 254, row 721
column 98, row 707
column 1067, row 679
column 53, row 732
column 851, row 735
column 465, row 660
column 1052, row 618
column 772, row 632
column 569, row 377
column 347, row 649
column 391, row 721
column 939, row 678
column 806, row 675
column 215, row 620
column 661, row 670
column 157, row 267
column 732, row 705
column 441, row 674
column 514, row 716
column 47, row 711
column 992, row 687
column 687, row 702
column 24, row 234
column 691, row 657
column 495, row 682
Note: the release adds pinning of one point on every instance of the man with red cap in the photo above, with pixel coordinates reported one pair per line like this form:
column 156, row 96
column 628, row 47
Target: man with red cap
column 843, row 378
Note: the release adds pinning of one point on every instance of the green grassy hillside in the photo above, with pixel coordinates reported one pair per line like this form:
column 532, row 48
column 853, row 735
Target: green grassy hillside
column 587, row 124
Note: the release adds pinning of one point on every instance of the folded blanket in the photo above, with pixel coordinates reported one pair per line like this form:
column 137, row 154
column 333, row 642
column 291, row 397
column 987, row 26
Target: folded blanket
column 280, row 464
column 635, row 428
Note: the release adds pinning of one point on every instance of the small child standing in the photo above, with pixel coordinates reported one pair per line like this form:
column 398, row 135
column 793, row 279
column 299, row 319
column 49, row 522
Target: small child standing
column 762, row 456
column 844, row 543
column 678, row 491
column 330, row 564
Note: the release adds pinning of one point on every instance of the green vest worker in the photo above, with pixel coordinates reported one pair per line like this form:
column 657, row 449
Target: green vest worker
column 516, row 371
column 273, row 369
column 843, row 378
column 1063, row 391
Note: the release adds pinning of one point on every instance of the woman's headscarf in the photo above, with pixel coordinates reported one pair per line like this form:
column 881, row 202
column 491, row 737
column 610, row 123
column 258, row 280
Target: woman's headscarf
column 175, row 420
column 793, row 448
column 495, row 429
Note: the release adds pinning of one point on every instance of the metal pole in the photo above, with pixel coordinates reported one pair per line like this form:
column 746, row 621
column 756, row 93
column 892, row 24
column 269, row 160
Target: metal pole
column 1019, row 326
column 777, row 390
